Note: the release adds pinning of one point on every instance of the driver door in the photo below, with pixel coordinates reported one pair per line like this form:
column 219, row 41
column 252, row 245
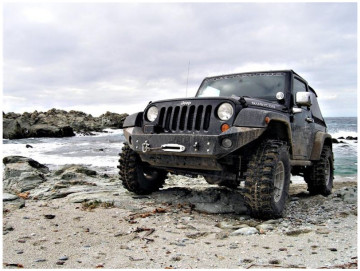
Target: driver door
column 302, row 125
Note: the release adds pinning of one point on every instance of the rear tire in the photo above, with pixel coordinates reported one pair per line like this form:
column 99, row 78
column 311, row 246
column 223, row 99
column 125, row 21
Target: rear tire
column 267, row 180
column 319, row 177
column 137, row 176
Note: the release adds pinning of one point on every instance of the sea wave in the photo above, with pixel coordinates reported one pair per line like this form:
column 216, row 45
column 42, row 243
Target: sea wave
column 343, row 133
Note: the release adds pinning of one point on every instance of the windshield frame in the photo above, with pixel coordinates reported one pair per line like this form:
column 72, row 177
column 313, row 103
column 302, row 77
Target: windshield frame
column 286, row 74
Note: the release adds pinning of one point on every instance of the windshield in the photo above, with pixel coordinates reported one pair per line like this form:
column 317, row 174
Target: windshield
column 257, row 85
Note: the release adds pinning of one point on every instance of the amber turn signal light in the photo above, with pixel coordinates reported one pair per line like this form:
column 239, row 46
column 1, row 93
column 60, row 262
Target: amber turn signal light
column 267, row 120
column 225, row 127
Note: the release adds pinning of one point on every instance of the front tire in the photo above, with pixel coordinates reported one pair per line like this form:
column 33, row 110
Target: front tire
column 319, row 177
column 137, row 176
column 268, row 179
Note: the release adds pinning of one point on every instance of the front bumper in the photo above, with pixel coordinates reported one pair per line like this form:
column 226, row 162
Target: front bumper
column 192, row 145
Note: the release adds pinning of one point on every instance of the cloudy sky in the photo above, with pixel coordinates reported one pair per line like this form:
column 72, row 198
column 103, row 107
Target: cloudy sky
column 117, row 57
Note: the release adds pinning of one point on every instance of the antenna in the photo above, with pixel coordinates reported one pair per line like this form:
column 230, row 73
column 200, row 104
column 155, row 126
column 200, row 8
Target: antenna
column 187, row 79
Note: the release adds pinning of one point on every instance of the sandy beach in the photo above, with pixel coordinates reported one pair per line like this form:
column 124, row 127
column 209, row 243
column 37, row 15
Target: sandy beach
column 95, row 223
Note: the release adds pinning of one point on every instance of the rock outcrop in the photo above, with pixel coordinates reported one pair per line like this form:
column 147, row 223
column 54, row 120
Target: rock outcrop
column 22, row 174
column 57, row 123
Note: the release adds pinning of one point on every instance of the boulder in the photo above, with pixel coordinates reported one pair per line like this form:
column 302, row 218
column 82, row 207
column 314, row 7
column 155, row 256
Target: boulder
column 22, row 174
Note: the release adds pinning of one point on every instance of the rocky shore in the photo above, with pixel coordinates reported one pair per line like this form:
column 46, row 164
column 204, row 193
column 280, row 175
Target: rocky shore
column 57, row 123
column 74, row 217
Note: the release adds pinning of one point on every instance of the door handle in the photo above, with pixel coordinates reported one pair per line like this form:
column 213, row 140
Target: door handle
column 309, row 119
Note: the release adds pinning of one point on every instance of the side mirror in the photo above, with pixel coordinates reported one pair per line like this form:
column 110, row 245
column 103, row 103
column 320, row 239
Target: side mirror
column 303, row 99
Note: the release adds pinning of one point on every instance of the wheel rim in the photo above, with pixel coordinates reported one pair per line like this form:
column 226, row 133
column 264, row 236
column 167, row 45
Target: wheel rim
column 279, row 181
column 327, row 172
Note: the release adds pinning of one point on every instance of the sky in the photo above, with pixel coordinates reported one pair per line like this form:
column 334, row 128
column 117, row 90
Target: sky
column 98, row 57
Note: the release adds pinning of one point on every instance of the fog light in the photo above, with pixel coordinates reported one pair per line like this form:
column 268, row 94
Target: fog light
column 226, row 143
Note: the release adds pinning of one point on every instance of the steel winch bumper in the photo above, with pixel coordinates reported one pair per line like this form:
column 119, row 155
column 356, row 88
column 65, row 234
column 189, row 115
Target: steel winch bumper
column 156, row 148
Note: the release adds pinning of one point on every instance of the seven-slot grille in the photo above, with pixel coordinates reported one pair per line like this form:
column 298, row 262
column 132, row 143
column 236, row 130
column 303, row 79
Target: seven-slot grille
column 184, row 118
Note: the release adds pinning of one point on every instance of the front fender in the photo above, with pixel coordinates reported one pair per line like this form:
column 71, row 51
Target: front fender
column 250, row 117
column 133, row 120
column 255, row 118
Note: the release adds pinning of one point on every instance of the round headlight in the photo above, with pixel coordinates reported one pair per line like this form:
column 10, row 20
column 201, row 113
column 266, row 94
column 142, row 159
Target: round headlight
column 152, row 113
column 225, row 111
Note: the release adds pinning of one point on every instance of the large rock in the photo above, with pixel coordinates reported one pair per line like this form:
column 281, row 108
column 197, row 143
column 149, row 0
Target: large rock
column 57, row 123
column 213, row 200
column 22, row 174
column 24, row 128
column 12, row 202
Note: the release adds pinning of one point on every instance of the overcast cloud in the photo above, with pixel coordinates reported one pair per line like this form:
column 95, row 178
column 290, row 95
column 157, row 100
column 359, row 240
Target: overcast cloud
column 117, row 57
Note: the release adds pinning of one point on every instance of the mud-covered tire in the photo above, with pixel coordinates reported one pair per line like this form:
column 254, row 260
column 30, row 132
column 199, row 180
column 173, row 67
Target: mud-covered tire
column 136, row 176
column 267, row 180
column 319, row 177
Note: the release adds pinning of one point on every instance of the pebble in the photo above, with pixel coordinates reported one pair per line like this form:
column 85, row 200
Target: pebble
column 176, row 258
column 245, row 231
column 297, row 232
column 40, row 260
column 221, row 235
column 64, row 258
column 272, row 221
column 322, row 231
column 49, row 216
column 265, row 227
column 7, row 229
column 274, row 262
column 233, row 246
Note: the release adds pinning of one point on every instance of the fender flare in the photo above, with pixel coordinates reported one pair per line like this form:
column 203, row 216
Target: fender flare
column 133, row 120
column 255, row 118
column 319, row 141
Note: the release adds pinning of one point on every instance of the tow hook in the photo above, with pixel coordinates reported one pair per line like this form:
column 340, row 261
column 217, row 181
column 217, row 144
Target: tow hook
column 145, row 146
column 166, row 147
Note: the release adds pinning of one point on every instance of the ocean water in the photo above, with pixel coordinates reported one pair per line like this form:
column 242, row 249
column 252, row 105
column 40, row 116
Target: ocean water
column 345, row 154
column 101, row 150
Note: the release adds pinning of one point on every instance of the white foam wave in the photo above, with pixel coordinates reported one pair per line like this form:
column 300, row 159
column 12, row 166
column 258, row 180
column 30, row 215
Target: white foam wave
column 58, row 159
column 105, row 132
column 343, row 133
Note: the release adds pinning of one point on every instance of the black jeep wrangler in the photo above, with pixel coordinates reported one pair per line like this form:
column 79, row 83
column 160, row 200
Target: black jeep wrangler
column 255, row 127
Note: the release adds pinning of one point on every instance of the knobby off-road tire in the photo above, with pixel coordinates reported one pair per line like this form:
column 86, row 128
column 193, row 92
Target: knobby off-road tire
column 319, row 177
column 136, row 176
column 267, row 180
